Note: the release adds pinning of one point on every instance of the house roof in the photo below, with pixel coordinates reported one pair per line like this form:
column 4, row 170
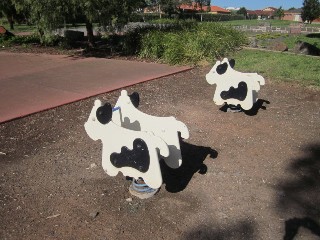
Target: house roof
column 254, row 12
column 298, row 10
column 259, row 12
column 196, row 7
column 218, row 9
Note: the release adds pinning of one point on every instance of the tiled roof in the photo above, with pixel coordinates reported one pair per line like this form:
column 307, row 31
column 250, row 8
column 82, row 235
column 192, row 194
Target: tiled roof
column 218, row 9
column 299, row 10
column 196, row 7
column 259, row 12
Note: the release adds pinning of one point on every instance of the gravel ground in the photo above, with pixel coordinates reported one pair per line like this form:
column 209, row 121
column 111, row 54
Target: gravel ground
column 248, row 175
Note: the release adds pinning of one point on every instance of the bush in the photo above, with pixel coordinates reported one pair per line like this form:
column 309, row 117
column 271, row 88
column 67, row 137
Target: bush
column 130, row 43
column 191, row 45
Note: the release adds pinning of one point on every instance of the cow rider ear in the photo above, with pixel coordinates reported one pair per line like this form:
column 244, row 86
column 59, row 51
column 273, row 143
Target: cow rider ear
column 104, row 113
column 135, row 99
column 222, row 68
column 232, row 62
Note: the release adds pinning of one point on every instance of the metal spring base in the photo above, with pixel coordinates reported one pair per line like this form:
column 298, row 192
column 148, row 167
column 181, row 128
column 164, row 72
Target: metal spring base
column 141, row 190
column 234, row 109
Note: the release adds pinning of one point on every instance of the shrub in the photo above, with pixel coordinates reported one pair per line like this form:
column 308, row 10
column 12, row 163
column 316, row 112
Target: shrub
column 191, row 45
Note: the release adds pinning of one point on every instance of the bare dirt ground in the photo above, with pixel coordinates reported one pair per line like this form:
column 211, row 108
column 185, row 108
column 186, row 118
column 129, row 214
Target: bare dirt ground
column 253, row 175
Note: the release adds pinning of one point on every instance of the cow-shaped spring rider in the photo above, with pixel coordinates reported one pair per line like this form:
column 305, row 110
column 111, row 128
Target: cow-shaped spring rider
column 233, row 87
column 130, row 144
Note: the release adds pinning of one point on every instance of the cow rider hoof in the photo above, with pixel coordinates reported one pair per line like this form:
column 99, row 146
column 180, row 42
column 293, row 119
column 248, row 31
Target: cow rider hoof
column 234, row 109
column 141, row 190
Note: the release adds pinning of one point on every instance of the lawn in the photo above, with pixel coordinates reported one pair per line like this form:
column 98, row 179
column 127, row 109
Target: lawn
column 280, row 66
column 18, row 27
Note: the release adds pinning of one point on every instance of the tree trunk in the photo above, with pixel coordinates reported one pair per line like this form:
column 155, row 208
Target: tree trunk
column 10, row 20
column 89, row 28
column 41, row 34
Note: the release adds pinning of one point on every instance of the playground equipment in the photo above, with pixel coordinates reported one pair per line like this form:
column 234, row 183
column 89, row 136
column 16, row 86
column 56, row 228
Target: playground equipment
column 234, row 88
column 134, row 142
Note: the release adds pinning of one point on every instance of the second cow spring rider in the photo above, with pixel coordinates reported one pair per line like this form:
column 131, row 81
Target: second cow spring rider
column 236, row 89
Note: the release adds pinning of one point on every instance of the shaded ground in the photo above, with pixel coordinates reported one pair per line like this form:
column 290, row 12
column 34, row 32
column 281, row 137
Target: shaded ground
column 244, row 176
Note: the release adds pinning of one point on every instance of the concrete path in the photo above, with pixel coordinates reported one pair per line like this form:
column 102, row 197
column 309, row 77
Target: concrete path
column 31, row 83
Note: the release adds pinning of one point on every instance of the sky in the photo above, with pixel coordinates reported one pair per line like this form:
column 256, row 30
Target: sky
column 258, row 4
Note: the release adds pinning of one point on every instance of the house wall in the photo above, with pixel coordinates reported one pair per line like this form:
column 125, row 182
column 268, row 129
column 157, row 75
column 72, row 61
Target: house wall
column 292, row 17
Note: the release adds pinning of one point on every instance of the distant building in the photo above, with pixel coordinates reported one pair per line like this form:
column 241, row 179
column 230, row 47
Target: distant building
column 194, row 7
column 219, row 10
column 266, row 13
column 293, row 15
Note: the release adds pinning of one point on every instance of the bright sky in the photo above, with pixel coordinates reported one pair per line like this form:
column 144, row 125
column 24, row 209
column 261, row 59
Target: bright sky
column 258, row 4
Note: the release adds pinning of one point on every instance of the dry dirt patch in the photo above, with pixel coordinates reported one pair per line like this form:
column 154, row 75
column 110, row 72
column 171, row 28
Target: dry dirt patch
column 245, row 176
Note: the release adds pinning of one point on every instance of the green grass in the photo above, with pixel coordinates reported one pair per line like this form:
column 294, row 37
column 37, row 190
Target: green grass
column 288, row 39
column 18, row 27
column 313, row 39
column 286, row 67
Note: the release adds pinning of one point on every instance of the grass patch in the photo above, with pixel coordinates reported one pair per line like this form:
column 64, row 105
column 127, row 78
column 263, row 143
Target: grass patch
column 19, row 27
column 291, row 40
column 280, row 66
column 313, row 39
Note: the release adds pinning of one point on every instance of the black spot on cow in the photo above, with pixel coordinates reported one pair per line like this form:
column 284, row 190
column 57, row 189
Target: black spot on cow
column 239, row 93
column 232, row 62
column 104, row 113
column 135, row 99
column 137, row 158
column 222, row 68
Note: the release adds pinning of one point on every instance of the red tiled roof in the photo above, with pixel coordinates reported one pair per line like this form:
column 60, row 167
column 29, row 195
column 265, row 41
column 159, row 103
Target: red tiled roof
column 218, row 9
column 259, row 12
column 196, row 7
column 254, row 12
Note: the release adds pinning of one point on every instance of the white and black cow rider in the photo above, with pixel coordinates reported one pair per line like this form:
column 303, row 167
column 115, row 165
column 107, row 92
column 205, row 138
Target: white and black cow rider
column 233, row 87
column 133, row 142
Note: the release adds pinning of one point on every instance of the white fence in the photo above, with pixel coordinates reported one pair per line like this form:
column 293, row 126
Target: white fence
column 288, row 29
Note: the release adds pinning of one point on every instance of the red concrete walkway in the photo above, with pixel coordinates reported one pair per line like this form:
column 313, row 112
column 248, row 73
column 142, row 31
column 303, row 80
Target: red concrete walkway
column 31, row 83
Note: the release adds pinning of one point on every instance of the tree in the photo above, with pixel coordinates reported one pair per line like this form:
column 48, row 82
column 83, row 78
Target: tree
column 279, row 13
column 310, row 10
column 169, row 6
column 8, row 9
column 242, row 11
column 201, row 3
column 50, row 14
column 106, row 12
column 46, row 15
